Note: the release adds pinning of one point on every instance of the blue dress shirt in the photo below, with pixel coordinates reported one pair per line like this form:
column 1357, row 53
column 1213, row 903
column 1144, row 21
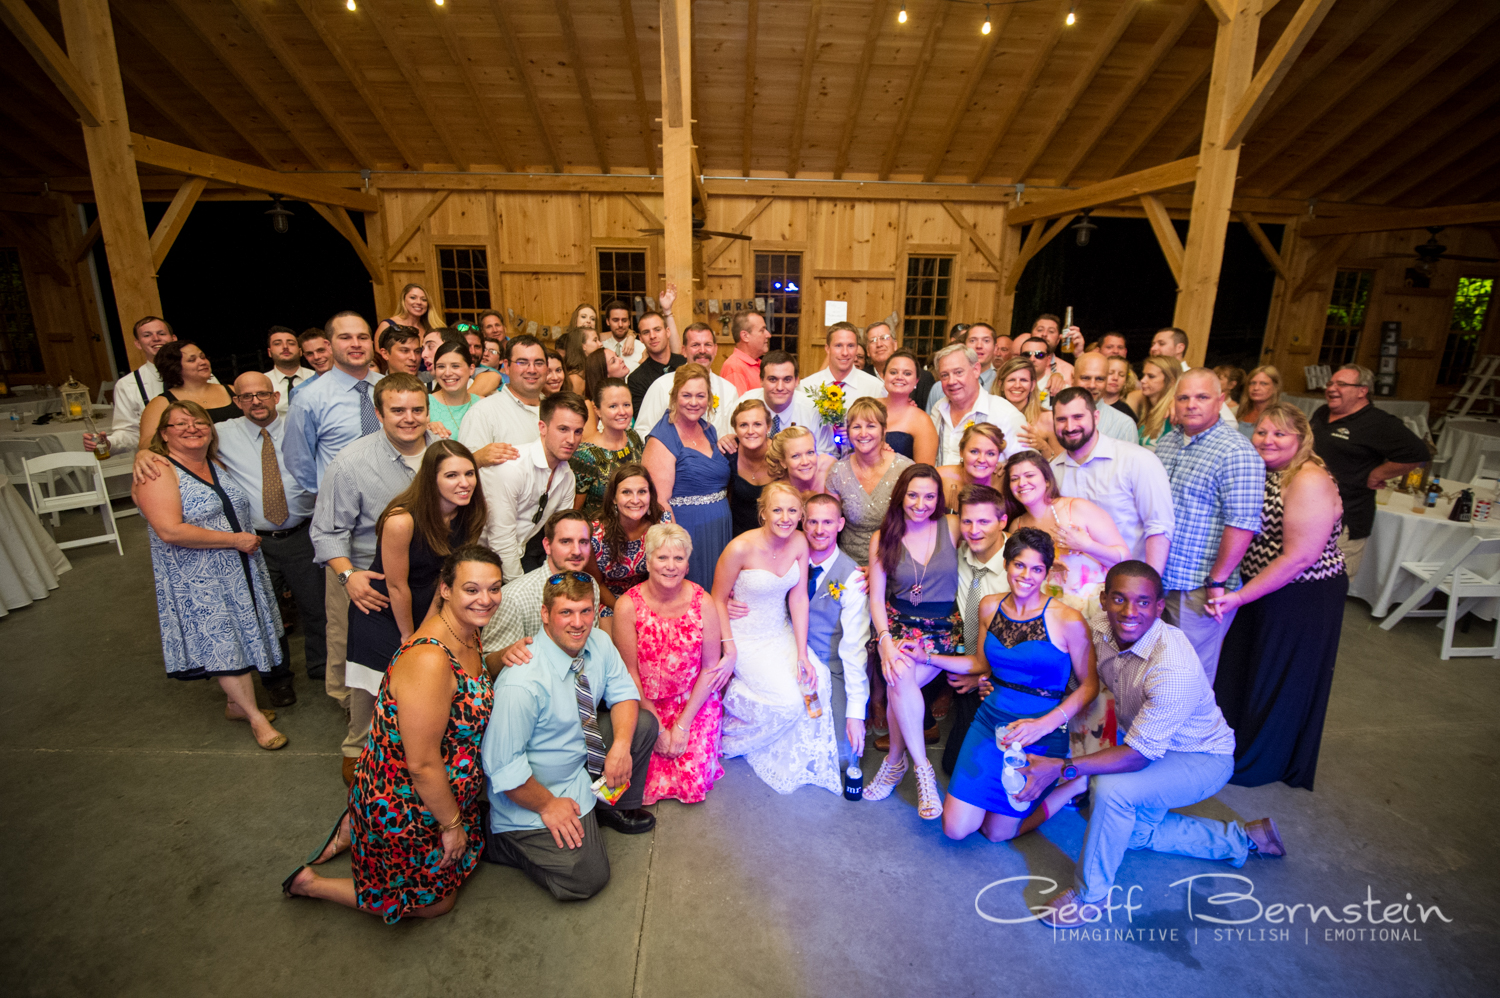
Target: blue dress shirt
column 535, row 729
column 240, row 446
column 323, row 420
column 1218, row 480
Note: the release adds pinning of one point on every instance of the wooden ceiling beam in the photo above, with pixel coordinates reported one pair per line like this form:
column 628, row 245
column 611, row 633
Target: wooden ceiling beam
column 1192, row 79
column 43, row 133
column 873, row 27
column 170, row 226
column 37, row 40
column 1273, row 69
column 977, row 70
column 1381, row 95
column 533, row 105
column 1456, row 181
column 1384, row 166
column 804, row 88
column 1348, row 82
column 1166, row 234
column 747, row 124
column 1126, row 94
column 30, row 205
column 909, row 102
column 250, row 10
column 1082, row 79
column 1273, row 257
column 356, row 77
column 232, row 58
column 581, row 78
column 1132, row 185
column 1399, row 221
column 638, row 80
column 1440, row 159
column 1039, row 58
column 154, row 97
column 483, row 108
column 179, row 159
column 382, row 20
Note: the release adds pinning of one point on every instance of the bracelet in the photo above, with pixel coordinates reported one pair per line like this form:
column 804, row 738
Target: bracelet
column 1066, row 719
column 726, row 641
column 457, row 820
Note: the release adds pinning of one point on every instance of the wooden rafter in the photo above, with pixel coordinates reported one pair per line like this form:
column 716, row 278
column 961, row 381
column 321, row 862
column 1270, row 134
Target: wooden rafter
column 1380, row 96
column 31, row 33
column 1222, row 10
column 1463, row 180
column 1166, row 234
column 977, row 69
column 1125, row 94
column 394, row 51
column 1399, row 221
column 163, row 106
column 861, row 77
column 344, row 226
column 1273, row 257
column 1036, row 240
column 1436, row 128
column 245, row 73
column 518, row 62
column 170, row 226
column 638, row 80
column 180, row 159
column 1278, row 62
column 1034, row 68
column 485, row 109
column 356, row 77
column 39, row 132
column 1447, row 153
column 581, row 79
column 1348, row 82
column 750, row 216
column 747, row 126
column 913, row 90
column 1057, row 115
column 1132, row 185
column 967, row 226
column 412, row 227
column 804, row 87
column 250, row 10
column 1192, row 78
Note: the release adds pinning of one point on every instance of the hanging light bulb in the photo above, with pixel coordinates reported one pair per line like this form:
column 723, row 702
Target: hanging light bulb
column 901, row 17
column 439, row 3
column 280, row 216
column 1071, row 19
column 349, row 4
column 1084, row 228
column 986, row 28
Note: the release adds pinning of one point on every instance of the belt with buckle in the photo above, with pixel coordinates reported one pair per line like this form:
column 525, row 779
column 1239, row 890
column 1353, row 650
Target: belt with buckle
column 278, row 534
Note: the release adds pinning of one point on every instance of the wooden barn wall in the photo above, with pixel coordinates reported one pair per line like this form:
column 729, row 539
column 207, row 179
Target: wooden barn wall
column 1294, row 328
column 542, row 251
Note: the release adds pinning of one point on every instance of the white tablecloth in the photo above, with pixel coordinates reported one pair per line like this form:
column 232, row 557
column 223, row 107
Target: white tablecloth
column 55, row 438
column 1463, row 441
column 1401, row 535
column 1413, row 414
column 30, row 561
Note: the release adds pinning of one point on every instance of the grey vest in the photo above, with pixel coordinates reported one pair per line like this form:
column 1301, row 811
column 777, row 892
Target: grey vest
column 825, row 626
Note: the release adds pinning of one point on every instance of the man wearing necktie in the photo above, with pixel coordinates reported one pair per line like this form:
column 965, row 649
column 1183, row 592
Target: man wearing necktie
column 838, row 621
column 981, row 573
column 287, row 371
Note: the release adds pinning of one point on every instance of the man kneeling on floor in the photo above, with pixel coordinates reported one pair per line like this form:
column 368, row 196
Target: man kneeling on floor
column 545, row 747
column 1177, row 751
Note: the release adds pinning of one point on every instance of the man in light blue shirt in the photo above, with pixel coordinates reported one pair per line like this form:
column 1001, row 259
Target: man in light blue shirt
column 333, row 411
column 546, row 744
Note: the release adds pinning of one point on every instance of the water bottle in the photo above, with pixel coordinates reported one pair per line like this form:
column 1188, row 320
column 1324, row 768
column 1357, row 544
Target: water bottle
column 1013, row 781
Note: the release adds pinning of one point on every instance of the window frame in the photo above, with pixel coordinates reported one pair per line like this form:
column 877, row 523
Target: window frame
column 939, row 338
column 454, row 315
column 1349, row 346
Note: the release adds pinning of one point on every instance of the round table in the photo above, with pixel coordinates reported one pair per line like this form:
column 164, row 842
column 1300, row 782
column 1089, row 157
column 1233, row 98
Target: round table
column 56, row 437
column 1413, row 414
column 1464, row 440
column 1402, row 535
column 30, row 560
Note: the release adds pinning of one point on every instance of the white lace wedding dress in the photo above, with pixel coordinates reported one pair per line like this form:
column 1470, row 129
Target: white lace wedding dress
column 764, row 718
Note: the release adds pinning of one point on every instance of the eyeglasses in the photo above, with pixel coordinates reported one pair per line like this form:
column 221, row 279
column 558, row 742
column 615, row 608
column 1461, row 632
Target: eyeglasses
column 557, row 579
column 256, row 396
column 1034, row 354
column 1344, row 384
column 183, row 426
column 885, row 338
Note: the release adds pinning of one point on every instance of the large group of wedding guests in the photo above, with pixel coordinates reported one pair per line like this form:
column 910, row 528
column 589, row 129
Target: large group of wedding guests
column 554, row 583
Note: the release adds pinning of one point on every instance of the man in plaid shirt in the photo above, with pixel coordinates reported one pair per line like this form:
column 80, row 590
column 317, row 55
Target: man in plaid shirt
column 1218, row 489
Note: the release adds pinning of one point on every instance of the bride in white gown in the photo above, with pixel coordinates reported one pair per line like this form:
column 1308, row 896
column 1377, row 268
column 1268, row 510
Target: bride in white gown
column 765, row 718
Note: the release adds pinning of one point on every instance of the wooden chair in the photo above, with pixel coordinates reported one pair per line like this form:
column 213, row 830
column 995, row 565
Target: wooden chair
column 1464, row 588
column 42, row 502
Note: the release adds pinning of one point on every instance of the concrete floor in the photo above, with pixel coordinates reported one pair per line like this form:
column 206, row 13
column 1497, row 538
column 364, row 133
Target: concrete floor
column 144, row 838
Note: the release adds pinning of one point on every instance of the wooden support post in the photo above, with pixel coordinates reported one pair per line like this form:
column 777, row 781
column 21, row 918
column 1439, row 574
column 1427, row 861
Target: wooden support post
column 90, row 37
column 176, row 217
column 1213, row 191
column 677, row 153
column 1166, row 234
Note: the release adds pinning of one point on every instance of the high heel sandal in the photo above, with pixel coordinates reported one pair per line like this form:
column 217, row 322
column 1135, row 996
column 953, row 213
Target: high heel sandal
column 886, row 779
column 929, row 801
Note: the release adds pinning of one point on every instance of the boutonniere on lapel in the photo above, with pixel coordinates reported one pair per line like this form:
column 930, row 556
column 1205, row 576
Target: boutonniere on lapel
column 836, row 590
column 713, row 403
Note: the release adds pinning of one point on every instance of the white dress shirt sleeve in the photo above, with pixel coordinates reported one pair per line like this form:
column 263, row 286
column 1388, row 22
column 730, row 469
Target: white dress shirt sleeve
column 502, row 486
column 854, row 615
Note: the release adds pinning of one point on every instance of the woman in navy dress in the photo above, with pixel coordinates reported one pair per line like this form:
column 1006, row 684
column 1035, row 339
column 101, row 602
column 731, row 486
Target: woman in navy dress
column 686, row 465
column 1033, row 646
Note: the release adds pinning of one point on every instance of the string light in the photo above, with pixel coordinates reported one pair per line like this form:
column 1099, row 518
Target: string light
column 986, row 28
column 1071, row 18
column 901, row 17
column 439, row 3
column 349, row 4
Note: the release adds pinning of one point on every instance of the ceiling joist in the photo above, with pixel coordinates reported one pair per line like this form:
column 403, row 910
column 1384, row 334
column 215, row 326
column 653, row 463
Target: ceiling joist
column 32, row 34
column 191, row 162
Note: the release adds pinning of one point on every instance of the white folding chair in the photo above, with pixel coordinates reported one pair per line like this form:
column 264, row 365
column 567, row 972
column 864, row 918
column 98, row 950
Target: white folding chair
column 54, row 504
column 1489, row 463
column 106, row 393
column 1464, row 588
column 117, row 466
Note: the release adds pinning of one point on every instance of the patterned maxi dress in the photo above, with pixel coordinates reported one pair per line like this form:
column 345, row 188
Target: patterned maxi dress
column 669, row 652
column 395, row 843
column 216, row 607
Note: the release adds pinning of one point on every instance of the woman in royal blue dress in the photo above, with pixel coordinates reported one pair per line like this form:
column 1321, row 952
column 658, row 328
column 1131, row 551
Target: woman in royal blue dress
column 683, row 458
column 1033, row 645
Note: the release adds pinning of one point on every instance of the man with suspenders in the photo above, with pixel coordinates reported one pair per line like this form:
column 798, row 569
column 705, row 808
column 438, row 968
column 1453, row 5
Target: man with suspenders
column 137, row 388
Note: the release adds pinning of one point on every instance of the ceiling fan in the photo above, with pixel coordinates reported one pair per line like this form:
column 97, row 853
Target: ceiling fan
column 699, row 232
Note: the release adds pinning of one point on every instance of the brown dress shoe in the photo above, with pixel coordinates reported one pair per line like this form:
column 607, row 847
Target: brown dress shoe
column 1068, row 910
column 349, row 770
column 1265, row 836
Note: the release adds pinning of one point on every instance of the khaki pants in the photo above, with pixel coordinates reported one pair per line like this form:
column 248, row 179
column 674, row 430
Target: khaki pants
column 1187, row 610
column 361, row 715
column 336, row 609
column 1354, row 552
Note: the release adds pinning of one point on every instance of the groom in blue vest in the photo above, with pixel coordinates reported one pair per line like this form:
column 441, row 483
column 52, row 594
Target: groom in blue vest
column 838, row 620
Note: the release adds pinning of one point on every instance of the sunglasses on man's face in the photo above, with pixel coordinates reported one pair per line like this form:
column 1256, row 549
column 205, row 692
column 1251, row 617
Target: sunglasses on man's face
column 557, row 579
column 1034, row 354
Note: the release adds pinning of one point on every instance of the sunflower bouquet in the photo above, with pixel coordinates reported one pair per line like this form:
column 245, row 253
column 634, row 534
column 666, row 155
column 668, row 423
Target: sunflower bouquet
column 828, row 400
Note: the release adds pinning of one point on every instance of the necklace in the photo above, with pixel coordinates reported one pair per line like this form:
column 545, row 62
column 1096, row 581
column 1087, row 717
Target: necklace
column 461, row 641
column 916, row 590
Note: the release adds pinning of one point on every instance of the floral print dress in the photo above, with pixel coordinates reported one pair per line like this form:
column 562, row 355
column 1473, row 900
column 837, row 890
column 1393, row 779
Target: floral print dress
column 593, row 465
column 395, row 843
column 669, row 653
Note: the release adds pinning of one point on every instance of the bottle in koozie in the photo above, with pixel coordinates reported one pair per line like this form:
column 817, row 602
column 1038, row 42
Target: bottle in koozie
column 1014, row 781
column 854, row 781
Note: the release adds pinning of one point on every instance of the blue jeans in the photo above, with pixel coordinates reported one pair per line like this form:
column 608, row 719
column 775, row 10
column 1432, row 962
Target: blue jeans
column 1131, row 812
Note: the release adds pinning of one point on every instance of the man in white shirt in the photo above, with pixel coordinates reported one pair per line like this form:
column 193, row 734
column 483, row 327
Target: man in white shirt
column 1090, row 374
column 523, row 493
column 701, row 348
column 137, row 388
column 843, row 346
column 980, row 338
column 788, row 404
column 1124, row 479
column 498, row 424
column 965, row 402
column 617, row 337
column 286, row 371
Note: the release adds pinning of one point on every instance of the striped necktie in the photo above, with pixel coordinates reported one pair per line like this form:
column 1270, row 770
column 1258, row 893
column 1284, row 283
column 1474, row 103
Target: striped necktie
column 971, row 610
column 588, row 713
column 368, row 422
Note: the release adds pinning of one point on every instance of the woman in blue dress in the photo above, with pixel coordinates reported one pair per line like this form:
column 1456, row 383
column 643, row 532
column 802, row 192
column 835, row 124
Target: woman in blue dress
column 685, row 463
column 214, row 599
column 1033, row 646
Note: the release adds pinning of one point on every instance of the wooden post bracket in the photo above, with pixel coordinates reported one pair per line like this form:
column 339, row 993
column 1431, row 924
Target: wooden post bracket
column 1166, row 234
column 1036, row 240
column 414, row 226
column 1318, row 266
column 1264, row 242
column 176, row 217
column 750, row 216
column 344, row 226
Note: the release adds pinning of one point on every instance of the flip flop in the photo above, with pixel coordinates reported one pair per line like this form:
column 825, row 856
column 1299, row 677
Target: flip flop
column 312, row 857
column 286, row 885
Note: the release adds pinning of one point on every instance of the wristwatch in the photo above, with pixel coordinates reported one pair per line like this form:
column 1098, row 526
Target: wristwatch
column 1211, row 584
column 1070, row 772
column 344, row 577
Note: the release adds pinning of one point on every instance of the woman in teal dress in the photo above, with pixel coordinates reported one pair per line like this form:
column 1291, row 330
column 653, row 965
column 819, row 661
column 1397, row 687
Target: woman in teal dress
column 608, row 443
column 451, row 399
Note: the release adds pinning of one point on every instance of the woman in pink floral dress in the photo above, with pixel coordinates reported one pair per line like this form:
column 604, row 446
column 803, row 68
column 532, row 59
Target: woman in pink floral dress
column 671, row 648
